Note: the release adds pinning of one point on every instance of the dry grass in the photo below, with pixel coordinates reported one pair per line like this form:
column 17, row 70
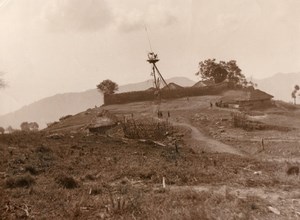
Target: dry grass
column 293, row 170
column 67, row 182
column 20, row 181
column 287, row 106
column 146, row 129
column 96, row 176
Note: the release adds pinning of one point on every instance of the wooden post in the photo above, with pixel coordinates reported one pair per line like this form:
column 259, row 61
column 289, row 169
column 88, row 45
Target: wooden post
column 176, row 146
column 262, row 144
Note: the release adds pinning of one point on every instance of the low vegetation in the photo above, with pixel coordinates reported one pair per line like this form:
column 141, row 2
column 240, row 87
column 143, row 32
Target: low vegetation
column 147, row 129
column 65, row 181
column 136, row 170
column 19, row 181
column 240, row 120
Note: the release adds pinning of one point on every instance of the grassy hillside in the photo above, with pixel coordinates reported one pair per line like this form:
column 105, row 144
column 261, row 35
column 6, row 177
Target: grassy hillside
column 75, row 174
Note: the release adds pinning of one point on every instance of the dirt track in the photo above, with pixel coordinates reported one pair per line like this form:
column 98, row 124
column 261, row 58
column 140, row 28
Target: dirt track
column 214, row 145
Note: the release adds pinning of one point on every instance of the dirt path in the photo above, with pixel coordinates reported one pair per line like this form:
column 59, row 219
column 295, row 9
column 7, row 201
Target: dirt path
column 214, row 145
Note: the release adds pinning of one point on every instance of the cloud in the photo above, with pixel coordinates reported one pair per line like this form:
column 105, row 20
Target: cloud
column 77, row 15
column 154, row 15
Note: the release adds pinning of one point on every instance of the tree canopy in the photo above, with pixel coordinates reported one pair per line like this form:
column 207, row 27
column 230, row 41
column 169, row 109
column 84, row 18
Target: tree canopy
column 210, row 69
column 108, row 87
column 294, row 93
column 10, row 129
column 29, row 126
column 25, row 126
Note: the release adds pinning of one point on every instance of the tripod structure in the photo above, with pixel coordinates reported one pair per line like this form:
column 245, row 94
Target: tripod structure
column 153, row 59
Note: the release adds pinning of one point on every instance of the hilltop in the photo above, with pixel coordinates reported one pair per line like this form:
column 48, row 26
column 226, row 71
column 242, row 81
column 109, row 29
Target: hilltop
column 52, row 108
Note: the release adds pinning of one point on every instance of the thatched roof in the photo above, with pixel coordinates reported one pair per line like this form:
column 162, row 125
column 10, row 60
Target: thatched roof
column 257, row 94
column 151, row 89
column 199, row 84
column 245, row 95
column 172, row 86
column 202, row 83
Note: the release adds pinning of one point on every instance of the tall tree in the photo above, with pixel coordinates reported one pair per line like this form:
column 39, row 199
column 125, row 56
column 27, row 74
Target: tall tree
column 9, row 129
column 108, row 87
column 220, row 71
column 294, row 93
column 33, row 126
column 25, row 126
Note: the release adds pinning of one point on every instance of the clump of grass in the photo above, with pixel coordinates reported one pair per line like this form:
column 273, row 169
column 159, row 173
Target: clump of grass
column 32, row 170
column 90, row 177
column 147, row 174
column 117, row 205
column 67, row 182
column 293, row 170
column 20, row 181
column 96, row 190
column 43, row 149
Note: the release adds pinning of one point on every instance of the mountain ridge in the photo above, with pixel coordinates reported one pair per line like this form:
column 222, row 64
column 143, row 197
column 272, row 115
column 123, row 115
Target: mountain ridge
column 279, row 85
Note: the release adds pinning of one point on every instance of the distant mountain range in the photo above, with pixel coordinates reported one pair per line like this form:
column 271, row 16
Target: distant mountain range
column 52, row 108
column 280, row 85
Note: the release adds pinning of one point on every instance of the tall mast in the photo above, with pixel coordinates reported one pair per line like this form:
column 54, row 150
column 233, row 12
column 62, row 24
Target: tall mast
column 153, row 59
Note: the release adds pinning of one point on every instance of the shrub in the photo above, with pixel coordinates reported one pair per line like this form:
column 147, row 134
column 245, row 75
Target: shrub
column 42, row 149
column 293, row 170
column 21, row 181
column 66, row 181
column 146, row 129
column 32, row 170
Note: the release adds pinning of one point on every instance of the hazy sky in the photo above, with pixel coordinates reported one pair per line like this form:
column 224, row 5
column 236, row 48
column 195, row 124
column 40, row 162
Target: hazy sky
column 55, row 46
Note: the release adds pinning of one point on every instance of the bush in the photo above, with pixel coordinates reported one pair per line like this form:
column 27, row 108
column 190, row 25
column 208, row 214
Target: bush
column 43, row 149
column 32, row 170
column 293, row 170
column 21, row 181
column 135, row 129
column 66, row 181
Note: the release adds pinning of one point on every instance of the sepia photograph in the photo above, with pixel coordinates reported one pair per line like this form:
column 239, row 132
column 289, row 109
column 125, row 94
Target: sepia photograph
column 150, row 109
